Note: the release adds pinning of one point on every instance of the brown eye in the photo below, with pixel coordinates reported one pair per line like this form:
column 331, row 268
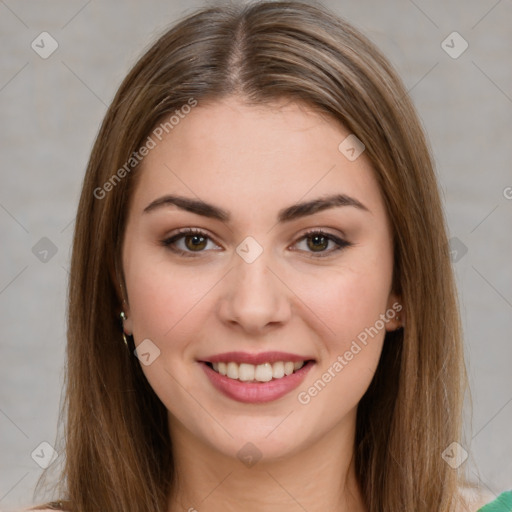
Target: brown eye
column 188, row 241
column 194, row 242
column 317, row 242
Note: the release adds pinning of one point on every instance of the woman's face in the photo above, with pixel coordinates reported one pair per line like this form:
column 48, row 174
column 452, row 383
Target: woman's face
column 252, row 282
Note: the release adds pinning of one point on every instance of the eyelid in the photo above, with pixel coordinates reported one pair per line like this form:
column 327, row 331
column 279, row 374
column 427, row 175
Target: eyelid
column 340, row 241
column 182, row 233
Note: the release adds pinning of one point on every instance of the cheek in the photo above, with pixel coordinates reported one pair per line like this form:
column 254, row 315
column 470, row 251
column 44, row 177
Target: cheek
column 165, row 300
column 349, row 303
column 350, row 306
column 151, row 300
column 350, row 299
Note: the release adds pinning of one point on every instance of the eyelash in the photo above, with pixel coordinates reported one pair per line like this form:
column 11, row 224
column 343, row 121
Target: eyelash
column 341, row 244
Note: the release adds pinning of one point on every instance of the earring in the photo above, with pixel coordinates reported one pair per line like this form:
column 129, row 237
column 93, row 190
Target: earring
column 123, row 318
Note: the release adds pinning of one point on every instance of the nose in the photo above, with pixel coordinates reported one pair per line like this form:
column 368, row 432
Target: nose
column 255, row 299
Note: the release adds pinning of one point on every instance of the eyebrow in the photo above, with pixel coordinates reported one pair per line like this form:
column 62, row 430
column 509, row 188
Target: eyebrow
column 288, row 214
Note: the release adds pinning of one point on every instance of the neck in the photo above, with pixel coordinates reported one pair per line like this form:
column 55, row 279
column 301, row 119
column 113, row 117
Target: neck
column 317, row 478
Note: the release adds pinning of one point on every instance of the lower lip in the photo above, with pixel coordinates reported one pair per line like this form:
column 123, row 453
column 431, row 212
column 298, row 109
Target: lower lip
column 256, row 392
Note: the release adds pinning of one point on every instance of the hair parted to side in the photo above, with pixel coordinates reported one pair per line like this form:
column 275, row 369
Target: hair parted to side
column 118, row 451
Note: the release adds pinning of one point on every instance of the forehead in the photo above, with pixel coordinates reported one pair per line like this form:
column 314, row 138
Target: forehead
column 267, row 155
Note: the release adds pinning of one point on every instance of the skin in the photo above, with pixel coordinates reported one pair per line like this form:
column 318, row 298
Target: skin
column 253, row 161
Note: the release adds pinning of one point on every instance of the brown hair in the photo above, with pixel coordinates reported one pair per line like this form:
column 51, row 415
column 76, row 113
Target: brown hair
column 118, row 450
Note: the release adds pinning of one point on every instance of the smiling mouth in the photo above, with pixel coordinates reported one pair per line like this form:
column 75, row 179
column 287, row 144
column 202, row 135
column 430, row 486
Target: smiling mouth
column 265, row 372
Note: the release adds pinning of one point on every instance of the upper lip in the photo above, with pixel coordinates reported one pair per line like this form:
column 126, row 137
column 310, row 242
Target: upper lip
column 262, row 357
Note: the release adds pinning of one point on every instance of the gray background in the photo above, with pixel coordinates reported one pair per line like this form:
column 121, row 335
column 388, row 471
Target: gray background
column 51, row 109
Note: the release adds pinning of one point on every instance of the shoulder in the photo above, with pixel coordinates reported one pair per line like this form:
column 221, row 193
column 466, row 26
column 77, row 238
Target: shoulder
column 502, row 503
column 474, row 499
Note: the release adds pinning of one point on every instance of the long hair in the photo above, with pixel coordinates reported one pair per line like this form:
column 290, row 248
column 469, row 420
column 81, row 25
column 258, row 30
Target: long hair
column 118, row 454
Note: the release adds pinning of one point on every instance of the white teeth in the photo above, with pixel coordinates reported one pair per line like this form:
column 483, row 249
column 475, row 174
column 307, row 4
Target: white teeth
column 278, row 370
column 246, row 372
column 262, row 372
column 232, row 370
column 288, row 368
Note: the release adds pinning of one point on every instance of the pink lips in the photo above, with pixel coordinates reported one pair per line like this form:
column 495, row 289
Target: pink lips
column 256, row 392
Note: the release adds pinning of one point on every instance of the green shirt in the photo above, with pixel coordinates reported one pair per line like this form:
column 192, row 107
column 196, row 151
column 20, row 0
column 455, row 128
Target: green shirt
column 503, row 503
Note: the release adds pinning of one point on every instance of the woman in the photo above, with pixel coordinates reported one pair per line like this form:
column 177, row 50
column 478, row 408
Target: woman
column 261, row 224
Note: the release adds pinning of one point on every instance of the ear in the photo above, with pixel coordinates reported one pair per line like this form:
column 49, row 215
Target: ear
column 394, row 312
